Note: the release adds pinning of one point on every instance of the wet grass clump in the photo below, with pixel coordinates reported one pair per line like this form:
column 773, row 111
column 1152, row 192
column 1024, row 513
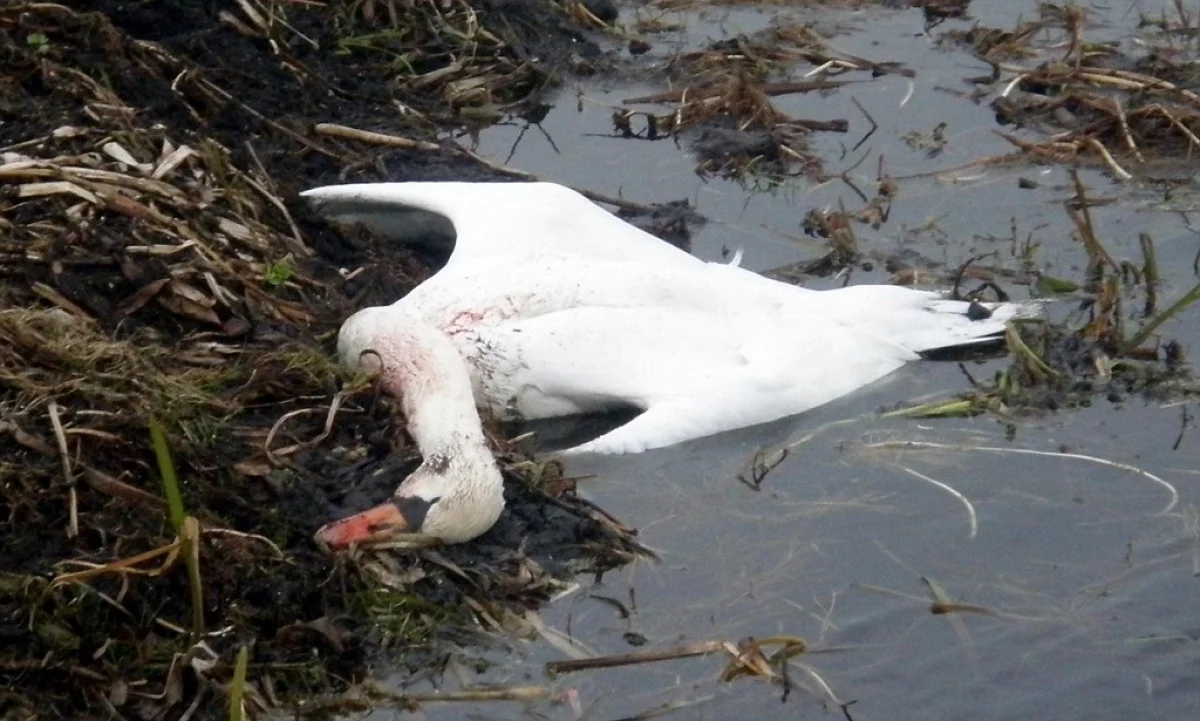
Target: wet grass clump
column 1069, row 99
column 723, row 102
column 1110, row 346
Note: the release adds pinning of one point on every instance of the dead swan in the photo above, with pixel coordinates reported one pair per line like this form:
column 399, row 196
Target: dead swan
column 551, row 306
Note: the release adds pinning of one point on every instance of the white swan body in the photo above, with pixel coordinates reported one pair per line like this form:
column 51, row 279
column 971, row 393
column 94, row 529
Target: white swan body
column 559, row 307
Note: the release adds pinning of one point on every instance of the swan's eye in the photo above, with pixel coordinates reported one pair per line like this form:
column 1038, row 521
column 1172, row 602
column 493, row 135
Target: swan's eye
column 413, row 510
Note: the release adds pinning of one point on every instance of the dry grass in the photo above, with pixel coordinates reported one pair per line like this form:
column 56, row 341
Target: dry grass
column 730, row 86
column 157, row 270
column 1092, row 103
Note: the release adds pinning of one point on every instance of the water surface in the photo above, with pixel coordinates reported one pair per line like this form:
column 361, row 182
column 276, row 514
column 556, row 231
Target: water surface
column 1086, row 573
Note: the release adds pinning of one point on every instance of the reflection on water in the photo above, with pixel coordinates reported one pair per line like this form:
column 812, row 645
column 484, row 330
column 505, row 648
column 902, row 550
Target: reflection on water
column 1084, row 581
column 1082, row 592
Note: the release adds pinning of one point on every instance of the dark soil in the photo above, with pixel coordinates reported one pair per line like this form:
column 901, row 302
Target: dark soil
column 205, row 297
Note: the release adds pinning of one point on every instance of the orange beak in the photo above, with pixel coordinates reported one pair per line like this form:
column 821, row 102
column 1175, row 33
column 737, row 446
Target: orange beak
column 379, row 522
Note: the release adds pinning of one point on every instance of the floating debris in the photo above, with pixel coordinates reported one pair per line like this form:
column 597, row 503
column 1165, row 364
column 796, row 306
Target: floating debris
column 726, row 97
column 1087, row 102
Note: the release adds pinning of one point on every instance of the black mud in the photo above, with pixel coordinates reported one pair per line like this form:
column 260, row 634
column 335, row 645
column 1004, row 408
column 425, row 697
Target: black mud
column 157, row 267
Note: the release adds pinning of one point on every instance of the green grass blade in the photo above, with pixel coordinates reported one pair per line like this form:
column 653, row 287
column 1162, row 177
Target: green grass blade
column 166, row 469
column 237, row 689
column 1177, row 307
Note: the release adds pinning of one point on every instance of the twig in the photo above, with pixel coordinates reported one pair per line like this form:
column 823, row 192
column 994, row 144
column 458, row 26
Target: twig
column 396, row 141
column 366, row 136
column 821, row 684
column 20, row 666
column 668, row 707
column 64, row 455
column 511, row 693
column 1125, row 133
column 330, row 416
column 272, row 198
column 97, row 480
column 1109, row 160
column 1148, row 330
column 1087, row 231
column 123, row 565
column 298, row 137
column 768, row 89
column 1018, row 347
column 506, row 693
column 194, row 706
column 871, row 120
column 911, row 445
column 100, row 481
column 247, row 536
column 703, row 648
column 766, row 458
column 1193, row 141
column 44, row 291
column 621, row 203
column 965, row 501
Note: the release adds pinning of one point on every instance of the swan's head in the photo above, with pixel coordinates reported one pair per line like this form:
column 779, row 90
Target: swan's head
column 450, row 498
column 457, row 493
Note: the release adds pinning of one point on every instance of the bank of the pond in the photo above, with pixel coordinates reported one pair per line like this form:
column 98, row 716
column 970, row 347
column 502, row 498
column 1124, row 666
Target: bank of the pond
column 158, row 269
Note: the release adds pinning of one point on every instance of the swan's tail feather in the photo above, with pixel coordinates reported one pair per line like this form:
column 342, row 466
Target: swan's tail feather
column 919, row 321
column 943, row 323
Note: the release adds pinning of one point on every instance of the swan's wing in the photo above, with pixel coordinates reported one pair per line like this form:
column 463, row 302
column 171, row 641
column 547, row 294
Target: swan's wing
column 694, row 373
column 507, row 220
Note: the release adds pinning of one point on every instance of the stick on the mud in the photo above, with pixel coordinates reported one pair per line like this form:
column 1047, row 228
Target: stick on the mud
column 368, row 136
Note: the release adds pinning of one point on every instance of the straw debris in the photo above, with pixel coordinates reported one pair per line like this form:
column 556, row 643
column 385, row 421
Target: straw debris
column 1079, row 102
column 1095, row 352
column 159, row 275
column 724, row 98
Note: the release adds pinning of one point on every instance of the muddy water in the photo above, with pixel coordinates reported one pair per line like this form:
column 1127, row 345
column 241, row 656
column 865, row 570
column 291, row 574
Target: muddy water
column 1086, row 573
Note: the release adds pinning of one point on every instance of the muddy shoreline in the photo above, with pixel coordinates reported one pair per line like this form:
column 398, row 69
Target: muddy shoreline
column 160, row 269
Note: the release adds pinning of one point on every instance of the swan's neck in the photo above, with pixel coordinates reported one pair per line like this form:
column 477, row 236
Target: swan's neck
column 419, row 365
